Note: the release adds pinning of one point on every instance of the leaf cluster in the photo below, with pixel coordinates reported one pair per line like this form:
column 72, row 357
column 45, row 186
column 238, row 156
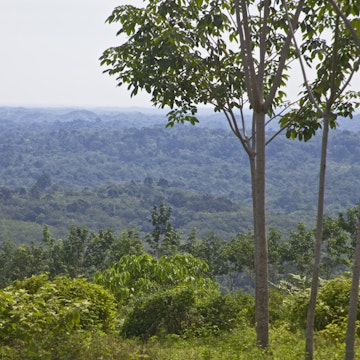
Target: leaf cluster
column 185, row 53
column 41, row 318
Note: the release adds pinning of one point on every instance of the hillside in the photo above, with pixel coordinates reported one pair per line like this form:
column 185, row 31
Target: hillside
column 136, row 162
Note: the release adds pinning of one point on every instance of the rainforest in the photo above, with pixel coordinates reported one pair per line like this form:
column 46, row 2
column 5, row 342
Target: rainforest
column 123, row 239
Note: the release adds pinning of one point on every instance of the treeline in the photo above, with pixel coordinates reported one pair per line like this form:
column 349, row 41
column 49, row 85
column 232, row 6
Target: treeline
column 25, row 210
column 230, row 260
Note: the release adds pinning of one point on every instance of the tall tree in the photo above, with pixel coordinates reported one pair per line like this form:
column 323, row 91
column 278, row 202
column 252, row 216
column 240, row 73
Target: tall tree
column 74, row 250
column 354, row 298
column 232, row 55
column 324, row 100
column 163, row 239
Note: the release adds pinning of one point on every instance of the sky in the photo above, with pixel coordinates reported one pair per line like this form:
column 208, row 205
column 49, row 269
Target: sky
column 50, row 53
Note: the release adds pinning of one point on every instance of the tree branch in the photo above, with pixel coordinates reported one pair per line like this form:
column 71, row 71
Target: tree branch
column 346, row 21
column 302, row 66
column 246, row 52
column 284, row 51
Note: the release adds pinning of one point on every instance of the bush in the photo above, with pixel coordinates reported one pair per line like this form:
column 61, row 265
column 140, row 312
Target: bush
column 171, row 295
column 134, row 276
column 224, row 312
column 180, row 311
column 332, row 304
column 44, row 319
column 165, row 312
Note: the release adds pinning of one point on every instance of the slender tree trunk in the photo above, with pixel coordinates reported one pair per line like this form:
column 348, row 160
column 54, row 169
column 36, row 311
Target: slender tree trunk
column 354, row 295
column 261, row 247
column 310, row 323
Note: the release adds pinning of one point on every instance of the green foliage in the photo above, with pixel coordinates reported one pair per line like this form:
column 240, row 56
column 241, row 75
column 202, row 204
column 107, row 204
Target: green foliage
column 299, row 251
column 338, row 250
column 225, row 312
column 184, row 311
column 73, row 318
column 201, row 167
column 209, row 249
column 83, row 252
column 331, row 308
column 277, row 307
column 335, row 61
column 163, row 312
column 190, row 54
column 284, row 345
column 17, row 262
column 163, row 238
column 333, row 302
column 46, row 319
column 74, row 250
column 167, row 295
column 238, row 344
column 239, row 252
column 133, row 276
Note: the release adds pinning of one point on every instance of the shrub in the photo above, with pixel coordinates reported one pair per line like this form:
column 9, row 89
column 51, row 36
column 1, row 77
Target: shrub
column 165, row 312
column 332, row 304
column 134, row 276
column 44, row 319
column 171, row 295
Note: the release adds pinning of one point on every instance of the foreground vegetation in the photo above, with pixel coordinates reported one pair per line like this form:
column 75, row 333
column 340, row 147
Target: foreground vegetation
column 160, row 318
column 159, row 296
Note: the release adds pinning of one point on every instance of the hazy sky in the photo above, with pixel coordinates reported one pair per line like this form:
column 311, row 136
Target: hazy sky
column 49, row 54
column 50, row 50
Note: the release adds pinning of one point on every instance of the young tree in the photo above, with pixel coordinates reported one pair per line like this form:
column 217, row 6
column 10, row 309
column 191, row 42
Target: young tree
column 18, row 262
column 163, row 239
column 239, row 253
column 209, row 249
column 74, row 249
column 337, row 248
column 354, row 298
column 232, row 55
column 324, row 100
column 299, row 251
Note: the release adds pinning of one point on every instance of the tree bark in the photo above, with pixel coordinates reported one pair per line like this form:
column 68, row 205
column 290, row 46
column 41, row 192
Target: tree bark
column 354, row 295
column 261, row 246
column 310, row 323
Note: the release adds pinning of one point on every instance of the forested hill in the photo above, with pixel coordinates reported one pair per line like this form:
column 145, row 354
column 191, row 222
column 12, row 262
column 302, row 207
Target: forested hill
column 76, row 154
column 122, row 118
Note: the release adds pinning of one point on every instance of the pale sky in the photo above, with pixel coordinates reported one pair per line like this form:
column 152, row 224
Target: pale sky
column 50, row 53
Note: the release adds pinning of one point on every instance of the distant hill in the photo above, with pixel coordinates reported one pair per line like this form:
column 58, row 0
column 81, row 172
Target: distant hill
column 132, row 117
column 83, row 151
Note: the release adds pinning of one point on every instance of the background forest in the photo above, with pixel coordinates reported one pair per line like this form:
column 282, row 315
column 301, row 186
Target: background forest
column 107, row 169
column 121, row 239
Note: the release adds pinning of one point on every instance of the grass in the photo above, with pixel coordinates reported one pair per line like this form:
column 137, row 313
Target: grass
column 240, row 344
